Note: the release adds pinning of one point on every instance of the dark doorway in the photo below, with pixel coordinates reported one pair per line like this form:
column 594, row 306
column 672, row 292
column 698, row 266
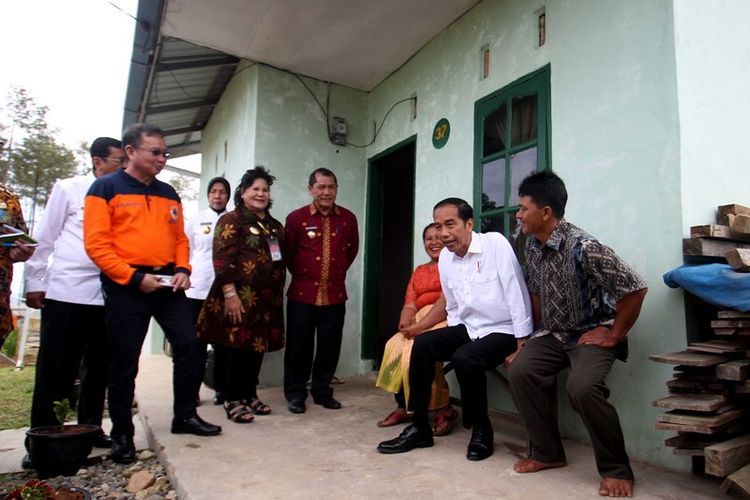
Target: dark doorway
column 390, row 241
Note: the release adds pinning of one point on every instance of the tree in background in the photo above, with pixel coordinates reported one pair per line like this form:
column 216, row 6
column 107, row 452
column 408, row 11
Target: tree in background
column 185, row 187
column 32, row 160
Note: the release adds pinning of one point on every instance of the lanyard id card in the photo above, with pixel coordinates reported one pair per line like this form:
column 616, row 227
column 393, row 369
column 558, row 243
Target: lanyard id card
column 274, row 248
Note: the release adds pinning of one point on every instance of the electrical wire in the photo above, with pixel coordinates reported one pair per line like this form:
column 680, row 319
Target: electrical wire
column 325, row 113
column 124, row 11
column 180, row 85
column 385, row 117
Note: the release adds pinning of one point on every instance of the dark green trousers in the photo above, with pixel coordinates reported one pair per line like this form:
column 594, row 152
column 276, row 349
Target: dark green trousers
column 533, row 378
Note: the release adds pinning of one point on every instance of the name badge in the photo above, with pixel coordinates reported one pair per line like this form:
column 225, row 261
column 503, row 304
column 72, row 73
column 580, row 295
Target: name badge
column 274, row 248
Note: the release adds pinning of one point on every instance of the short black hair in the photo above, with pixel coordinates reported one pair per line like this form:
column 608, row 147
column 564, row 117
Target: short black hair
column 465, row 212
column 131, row 136
column 546, row 189
column 220, row 180
column 322, row 171
column 100, row 147
column 248, row 178
column 424, row 231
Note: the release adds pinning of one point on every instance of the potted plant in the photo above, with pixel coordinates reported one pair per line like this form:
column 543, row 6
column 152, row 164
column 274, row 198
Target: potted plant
column 60, row 450
column 34, row 489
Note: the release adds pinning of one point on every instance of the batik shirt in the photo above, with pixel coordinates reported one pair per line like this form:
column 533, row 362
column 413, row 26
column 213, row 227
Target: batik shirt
column 10, row 214
column 578, row 281
column 319, row 250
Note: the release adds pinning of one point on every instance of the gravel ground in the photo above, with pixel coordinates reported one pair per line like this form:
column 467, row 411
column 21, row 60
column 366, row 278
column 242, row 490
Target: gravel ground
column 105, row 479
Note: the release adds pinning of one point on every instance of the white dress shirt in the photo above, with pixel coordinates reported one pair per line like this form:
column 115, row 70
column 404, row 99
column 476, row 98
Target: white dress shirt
column 485, row 289
column 71, row 276
column 200, row 233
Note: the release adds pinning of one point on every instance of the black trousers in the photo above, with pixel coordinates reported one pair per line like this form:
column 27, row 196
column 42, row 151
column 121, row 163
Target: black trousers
column 72, row 343
column 312, row 329
column 471, row 358
column 195, row 306
column 533, row 378
column 242, row 370
column 127, row 318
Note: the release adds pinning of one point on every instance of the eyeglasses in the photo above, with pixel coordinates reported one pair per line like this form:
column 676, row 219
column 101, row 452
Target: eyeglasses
column 118, row 160
column 158, row 152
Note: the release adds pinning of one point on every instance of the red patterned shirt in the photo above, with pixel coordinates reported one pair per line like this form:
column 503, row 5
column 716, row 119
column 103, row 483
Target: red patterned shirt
column 318, row 251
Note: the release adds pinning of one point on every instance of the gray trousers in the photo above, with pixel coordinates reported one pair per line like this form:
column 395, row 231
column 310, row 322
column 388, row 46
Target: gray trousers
column 533, row 378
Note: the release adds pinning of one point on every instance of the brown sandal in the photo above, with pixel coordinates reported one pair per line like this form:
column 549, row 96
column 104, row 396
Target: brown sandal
column 445, row 421
column 238, row 413
column 259, row 407
column 397, row 416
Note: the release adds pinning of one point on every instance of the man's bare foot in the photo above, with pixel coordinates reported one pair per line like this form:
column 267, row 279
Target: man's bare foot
column 611, row 487
column 530, row 465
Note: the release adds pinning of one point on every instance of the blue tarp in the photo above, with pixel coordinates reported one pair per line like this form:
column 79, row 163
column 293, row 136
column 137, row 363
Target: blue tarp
column 717, row 284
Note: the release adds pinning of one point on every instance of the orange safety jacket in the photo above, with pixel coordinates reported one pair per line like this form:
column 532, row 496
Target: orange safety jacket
column 128, row 224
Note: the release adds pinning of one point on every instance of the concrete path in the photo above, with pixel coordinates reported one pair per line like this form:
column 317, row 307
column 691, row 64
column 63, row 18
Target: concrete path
column 325, row 454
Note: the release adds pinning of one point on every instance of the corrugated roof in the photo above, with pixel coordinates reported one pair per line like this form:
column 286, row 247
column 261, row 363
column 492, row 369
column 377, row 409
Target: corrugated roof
column 174, row 84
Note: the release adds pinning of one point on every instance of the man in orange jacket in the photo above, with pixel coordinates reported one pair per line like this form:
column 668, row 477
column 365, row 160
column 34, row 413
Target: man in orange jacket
column 133, row 231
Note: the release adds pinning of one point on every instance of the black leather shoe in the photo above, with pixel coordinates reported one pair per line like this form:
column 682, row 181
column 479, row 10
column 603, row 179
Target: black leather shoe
column 194, row 425
column 481, row 444
column 26, row 462
column 297, row 406
column 410, row 438
column 123, row 450
column 218, row 398
column 102, row 441
column 328, row 402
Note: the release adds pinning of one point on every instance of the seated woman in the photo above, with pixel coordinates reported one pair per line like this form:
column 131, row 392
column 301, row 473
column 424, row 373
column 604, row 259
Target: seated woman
column 421, row 294
column 243, row 314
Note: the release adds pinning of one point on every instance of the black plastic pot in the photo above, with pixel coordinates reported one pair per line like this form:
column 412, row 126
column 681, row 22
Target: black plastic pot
column 60, row 452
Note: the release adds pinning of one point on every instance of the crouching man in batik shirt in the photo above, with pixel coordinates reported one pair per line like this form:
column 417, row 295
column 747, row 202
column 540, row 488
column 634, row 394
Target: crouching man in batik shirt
column 584, row 300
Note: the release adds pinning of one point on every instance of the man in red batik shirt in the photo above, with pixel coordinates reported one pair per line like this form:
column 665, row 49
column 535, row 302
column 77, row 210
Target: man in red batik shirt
column 321, row 243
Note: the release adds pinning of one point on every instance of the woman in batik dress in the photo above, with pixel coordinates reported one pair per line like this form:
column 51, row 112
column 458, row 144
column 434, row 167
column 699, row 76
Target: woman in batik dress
column 243, row 313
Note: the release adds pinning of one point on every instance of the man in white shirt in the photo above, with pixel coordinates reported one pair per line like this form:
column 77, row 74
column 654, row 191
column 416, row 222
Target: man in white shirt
column 200, row 233
column 489, row 315
column 69, row 293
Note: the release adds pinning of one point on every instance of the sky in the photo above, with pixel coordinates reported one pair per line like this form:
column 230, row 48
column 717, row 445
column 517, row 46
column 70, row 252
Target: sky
column 74, row 57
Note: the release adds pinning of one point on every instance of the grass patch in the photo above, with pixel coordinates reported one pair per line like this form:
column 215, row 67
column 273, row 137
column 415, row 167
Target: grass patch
column 16, row 390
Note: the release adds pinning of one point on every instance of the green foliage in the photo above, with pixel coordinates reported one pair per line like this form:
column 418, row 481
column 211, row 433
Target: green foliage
column 16, row 391
column 38, row 162
column 185, row 187
column 11, row 343
column 62, row 410
column 35, row 159
column 33, row 489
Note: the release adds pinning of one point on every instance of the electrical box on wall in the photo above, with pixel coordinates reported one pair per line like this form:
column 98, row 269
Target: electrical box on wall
column 339, row 131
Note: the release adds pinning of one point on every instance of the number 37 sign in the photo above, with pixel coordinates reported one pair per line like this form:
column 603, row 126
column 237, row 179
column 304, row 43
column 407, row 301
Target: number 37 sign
column 441, row 133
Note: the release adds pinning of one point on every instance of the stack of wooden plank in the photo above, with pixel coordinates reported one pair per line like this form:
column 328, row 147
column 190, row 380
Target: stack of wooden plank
column 708, row 396
column 728, row 240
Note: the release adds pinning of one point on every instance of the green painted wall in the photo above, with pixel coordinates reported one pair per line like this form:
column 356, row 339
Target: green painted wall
column 291, row 141
column 267, row 117
column 713, row 51
column 615, row 140
column 632, row 152
column 228, row 142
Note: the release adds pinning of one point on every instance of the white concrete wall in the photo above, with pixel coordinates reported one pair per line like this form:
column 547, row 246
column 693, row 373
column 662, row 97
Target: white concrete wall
column 713, row 71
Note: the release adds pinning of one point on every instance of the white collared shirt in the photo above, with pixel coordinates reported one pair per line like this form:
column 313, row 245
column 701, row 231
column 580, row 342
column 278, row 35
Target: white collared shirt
column 485, row 289
column 200, row 233
column 71, row 276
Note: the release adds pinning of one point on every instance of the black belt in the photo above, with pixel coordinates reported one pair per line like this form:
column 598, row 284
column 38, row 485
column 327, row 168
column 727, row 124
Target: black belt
column 165, row 269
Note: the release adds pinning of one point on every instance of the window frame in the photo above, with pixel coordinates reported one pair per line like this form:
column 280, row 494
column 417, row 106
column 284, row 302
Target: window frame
column 537, row 82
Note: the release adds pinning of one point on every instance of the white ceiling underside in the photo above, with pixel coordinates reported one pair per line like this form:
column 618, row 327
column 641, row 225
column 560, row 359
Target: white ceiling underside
column 357, row 43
